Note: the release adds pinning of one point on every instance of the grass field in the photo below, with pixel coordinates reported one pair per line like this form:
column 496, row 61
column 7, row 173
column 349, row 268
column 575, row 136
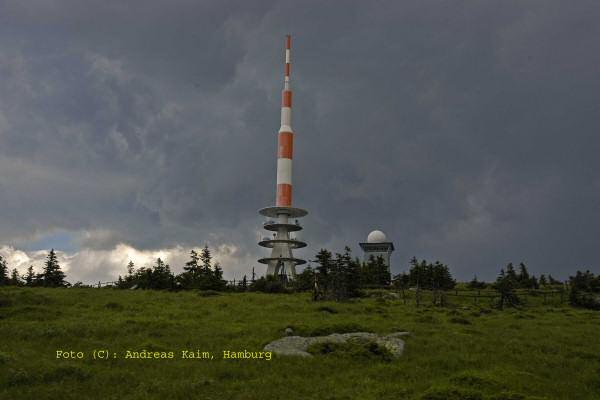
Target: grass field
column 460, row 352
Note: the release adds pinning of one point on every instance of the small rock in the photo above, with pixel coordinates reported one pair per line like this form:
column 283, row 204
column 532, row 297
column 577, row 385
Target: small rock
column 289, row 331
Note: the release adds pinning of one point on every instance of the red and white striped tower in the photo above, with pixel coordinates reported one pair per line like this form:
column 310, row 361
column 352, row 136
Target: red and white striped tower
column 282, row 262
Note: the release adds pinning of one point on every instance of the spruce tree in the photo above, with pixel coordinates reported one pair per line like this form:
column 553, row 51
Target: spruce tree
column 511, row 273
column 324, row 272
column 161, row 276
column 191, row 266
column 476, row 284
column 217, row 278
column 30, row 276
column 533, row 282
column 305, row 280
column 131, row 277
column 205, row 258
column 14, row 280
column 349, row 270
column 189, row 278
column 505, row 285
column 553, row 281
column 382, row 272
column 244, row 283
column 523, row 277
column 130, row 269
column 52, row 275
column 3, row 272
column 369, row 272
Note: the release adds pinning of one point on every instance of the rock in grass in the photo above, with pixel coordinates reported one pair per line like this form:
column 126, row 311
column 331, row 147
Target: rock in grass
column 298, row 345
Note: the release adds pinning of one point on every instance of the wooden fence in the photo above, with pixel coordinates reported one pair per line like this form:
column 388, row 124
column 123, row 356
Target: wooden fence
column 481, row 295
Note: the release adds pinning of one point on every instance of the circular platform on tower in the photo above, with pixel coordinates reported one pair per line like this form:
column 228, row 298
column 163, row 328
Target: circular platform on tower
column 270, row 243
column 291, row 212
column 274, row 226
column 297, row 261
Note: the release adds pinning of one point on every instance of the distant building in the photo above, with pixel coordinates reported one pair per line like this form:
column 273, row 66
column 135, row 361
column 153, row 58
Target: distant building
column 377, row 245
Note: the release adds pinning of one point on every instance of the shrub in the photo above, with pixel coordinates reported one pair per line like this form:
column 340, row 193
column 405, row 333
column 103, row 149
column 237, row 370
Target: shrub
column 475, row 379
column 582, row 299
column 5, row 357
column 113, row 306
column 328, row 309
column 451, row 393
column 65, row 372
column 459, row 320
column 208, row 293
column 335, row 328
column 353, row 349
column 17, row 377
column 269, row 284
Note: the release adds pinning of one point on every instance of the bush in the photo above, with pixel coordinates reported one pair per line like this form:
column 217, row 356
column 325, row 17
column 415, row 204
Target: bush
column 451, row 393
column 353, row 349
column 459, row 320
column 584, row 299
column 113, row 306
column 303, row 330
column 208, row 293
column 328, row 309
column 269, row 284
column 476, row 379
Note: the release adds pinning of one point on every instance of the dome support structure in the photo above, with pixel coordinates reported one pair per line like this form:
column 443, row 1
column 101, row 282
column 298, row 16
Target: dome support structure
column 377, row 245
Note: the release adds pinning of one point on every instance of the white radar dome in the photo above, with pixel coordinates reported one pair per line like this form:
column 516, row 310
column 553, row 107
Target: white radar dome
column 376, row 237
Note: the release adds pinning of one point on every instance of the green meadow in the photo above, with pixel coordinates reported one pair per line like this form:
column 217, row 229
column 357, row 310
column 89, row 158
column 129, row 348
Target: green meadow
column 462, row 351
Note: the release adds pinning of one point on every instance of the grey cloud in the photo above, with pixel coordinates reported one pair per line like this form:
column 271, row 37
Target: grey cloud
column 467, row 132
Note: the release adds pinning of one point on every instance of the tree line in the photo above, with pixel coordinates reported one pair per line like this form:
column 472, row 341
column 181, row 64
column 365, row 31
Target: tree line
column 198, row 273
column 335, row 277
column 51, row 275
column 585, row 290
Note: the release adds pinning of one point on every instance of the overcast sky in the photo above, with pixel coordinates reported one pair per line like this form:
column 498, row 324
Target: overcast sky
column 467, row 131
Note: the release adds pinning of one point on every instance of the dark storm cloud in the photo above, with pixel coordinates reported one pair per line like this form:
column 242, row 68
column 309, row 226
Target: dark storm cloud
column 466, row 131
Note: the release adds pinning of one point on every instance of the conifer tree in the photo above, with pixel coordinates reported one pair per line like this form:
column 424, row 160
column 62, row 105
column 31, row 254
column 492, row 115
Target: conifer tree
column 324, row 271
column 382, row 272
column 217, row 282
column 29, row 277
column 191, row 267
column 244, row 283
column 505, row 286
column 476, row 284
column 130, row 269
column 523, row 277
column 368, row 273
column 161, row 276
column 190, row 276
column 349, row 275
column 511, row 273
column 433, row 276
column 553, row 281
column 3, row 272
column 205, row 258
column 52, row 275
column 14, row 280
column 305, row 280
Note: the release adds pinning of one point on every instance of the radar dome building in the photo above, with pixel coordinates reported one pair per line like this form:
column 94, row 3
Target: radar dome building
column 377, row 245
column 282, row 218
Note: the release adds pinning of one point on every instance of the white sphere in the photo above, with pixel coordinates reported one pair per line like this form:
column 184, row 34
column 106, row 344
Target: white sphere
column 376, row 237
